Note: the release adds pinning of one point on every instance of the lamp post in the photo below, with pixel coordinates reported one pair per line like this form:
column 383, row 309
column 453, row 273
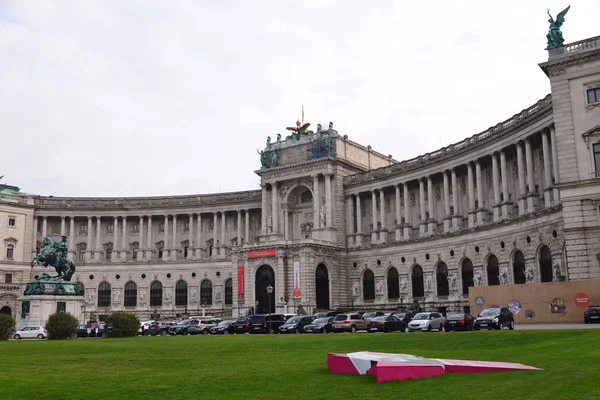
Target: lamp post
column 83, row 311
column 269, row 292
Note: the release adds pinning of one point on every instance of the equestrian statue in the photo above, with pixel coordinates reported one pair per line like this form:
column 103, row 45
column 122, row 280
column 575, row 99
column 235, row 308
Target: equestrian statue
column 55, row 255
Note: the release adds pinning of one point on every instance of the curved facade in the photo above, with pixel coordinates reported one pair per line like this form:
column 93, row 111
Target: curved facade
column 338, row 225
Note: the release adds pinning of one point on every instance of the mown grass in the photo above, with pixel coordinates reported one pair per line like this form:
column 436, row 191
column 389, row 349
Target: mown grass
column 295, row 367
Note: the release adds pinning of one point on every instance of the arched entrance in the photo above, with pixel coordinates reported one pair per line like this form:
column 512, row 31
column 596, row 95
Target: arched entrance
column 493, row 271
column 467, row 275
column 300, row 213
column 418, row 288
column 6, row 310
column 519, row 267
column 545, row 262
column 265, row 276
column 441, row 276
column 322, row 287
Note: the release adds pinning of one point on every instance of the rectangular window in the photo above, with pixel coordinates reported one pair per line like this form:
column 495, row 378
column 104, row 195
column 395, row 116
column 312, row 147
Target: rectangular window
column 597, row 158
column 136, row 228
column 161, row 227
column 7, row 278
column 10, row 250
column 110, row 228
column 61, row 306
column 83, row 228
column 593, row 95
column 12, row 221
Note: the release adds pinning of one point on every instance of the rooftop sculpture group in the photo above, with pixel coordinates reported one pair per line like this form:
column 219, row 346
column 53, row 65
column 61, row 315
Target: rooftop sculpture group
column 554, row 36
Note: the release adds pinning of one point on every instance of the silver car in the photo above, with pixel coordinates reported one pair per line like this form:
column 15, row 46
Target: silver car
column 426, row 321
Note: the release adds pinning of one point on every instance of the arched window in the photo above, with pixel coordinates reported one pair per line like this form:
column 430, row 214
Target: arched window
column 156, row 293
column 368, row 285
column 519, row 267
column 130, row 295
column 229, row 291
column 206, row 292
column 393, row 285
column 181, row 293
column 418, row 288
column 493, row 271
column 441, row 277
column 80, row 289
column 467, row 275
column 545, row 263
column 104, row 294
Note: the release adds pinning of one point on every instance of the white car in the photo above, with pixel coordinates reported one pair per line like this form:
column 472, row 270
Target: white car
column 144, row 326
column 31, row 332
column 426, row 321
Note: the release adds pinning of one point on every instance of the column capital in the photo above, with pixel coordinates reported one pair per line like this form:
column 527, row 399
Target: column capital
column 327, row 174
column 315, row 176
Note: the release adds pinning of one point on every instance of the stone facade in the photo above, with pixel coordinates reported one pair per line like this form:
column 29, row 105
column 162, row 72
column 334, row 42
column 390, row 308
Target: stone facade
column 338, row 225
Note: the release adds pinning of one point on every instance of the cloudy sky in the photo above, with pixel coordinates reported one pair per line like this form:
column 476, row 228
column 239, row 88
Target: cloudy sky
column 144, row 97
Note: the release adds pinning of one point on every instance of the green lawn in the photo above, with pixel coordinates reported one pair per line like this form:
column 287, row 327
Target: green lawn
column 295, row 367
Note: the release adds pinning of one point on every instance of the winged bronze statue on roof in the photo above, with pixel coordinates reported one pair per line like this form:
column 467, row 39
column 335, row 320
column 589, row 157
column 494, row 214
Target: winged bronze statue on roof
column 554, row 36
column 299, row 129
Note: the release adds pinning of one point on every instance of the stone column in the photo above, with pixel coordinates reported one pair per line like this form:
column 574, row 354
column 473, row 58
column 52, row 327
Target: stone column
column 239, row 227
column 521, row 168
column 174, row 244
column 62, row 226
column 35, row 235
column 432, row 220
column 264, row 212
column 72, row 237
column 191, row 244
column 166, row 238
column 247, row 227
column 115, row 252
column 275, row 208
column 149, row 245
column 328, row 209
column 200, row 244
column 285, row 225
column 480, row 202
column 506, row 203
column 547, row 173
column 215, row 237
column 124, row 246
column 447, row 216
column 496, row 188
column 44, row 227
column 98, row 235
column 349, row 221
column 142, row 244
column 471, row 195
column 223, row 246
column 359, row 230
column 456, row 217
column 316, row 202
column 407, row 226
column 422, row 223
column 530, row 177
column 398, row 212
column 374, row 217
column 555, row 198
column 88, row 248
column 383, row 232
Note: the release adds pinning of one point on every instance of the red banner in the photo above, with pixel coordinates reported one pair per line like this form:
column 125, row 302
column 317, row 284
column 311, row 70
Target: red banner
column 261, row 253
column 240, row 281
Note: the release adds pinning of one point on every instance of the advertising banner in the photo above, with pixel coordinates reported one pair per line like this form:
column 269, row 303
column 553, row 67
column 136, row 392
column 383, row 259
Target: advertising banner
column 240, row 282
column 261, row 253
column 297, row 291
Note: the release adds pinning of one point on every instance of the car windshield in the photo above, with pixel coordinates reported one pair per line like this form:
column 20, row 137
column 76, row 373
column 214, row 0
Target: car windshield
column 340, row 317
column 455, row 316
column 381, row 318
column 184, row 322
column 401, row 315
column 241, row 321
column 257, row 318
column 421, row 316
column 293, row 320
column 321, row 321
column 225, row 323
column 490, row 312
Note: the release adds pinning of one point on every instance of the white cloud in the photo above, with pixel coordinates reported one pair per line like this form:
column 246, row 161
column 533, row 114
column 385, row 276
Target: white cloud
column 149, row 98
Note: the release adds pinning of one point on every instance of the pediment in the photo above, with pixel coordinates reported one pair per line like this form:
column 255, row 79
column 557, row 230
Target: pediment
column 11, row 239
column 589, row 135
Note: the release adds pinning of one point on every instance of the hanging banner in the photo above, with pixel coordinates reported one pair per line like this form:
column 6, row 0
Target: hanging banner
column 241, row 282
column 261, row 253
column 297, row 291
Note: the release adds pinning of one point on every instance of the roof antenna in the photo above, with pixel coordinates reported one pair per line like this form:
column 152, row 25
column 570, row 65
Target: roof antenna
column 302, row 115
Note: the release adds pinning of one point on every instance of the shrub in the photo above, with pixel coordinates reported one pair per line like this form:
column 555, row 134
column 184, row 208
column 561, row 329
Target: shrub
column 7, row 326
column 121, row 324
column 61, row 326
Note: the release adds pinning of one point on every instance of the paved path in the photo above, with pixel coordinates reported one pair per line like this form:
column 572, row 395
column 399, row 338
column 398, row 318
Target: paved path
column 556, row 326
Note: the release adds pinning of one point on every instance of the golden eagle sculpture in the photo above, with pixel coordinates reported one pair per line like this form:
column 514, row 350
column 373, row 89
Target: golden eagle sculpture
column 299, row 128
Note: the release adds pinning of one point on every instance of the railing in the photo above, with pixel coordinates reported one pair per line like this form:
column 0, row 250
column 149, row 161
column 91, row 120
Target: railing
column 582, row 45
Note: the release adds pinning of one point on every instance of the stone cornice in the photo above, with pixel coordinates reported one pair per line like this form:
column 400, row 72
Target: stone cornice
column 518, row 122
column 303, row 167
column 571, row 54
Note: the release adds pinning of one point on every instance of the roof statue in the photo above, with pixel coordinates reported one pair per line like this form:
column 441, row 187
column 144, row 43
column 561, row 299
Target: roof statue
column 300, row 128
column 554, row 36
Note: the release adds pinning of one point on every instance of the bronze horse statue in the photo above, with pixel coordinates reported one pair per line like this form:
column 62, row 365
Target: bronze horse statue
column 55, row 254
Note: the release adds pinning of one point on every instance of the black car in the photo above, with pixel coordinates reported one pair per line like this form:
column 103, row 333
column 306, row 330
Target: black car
column 160, row 328
column 326, row 314
column 224, row 328
column 242, row 325
column 385, row 324
column 591, row 314
column 406, row 316
column 459, row 322
column 296, row 324
column 266, row 323
column 320, row 325
column 494, row 318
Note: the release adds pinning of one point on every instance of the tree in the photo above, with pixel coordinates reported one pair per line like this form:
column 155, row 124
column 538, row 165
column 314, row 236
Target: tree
column 121, row 324
column 61, row 326
column 7, row 326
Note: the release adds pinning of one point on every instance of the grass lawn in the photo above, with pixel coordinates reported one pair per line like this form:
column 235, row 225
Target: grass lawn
column 295, row 367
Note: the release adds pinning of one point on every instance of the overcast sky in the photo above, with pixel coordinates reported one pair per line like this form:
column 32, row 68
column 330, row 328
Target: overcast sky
column 144, row 97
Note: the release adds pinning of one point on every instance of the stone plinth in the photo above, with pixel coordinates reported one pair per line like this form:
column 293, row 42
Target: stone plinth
column 40, row 307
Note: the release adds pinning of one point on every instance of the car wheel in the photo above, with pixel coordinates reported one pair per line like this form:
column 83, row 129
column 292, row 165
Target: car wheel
column 428, row 328
column 73, row 336
column 17, row 337
column 353, row 329
column 500, row 325
column 512, row 325
column 323, row 330
column 163, row 333
column 226, row 332
column 205, row 331
column 296, row 331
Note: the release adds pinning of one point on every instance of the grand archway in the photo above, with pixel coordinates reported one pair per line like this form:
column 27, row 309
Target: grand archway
column 265, row 276
column 545, row 263
column 299, row 216
column 493, row 271
column 6, row 310
column 322, row 287
column 519, row 267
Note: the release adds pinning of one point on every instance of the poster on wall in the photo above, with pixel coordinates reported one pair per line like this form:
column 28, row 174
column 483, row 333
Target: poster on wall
column 241, row 283
column 297, row 291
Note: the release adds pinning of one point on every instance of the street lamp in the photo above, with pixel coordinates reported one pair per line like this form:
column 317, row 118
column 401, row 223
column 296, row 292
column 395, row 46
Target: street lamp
column 83, row 311
column 269, row 292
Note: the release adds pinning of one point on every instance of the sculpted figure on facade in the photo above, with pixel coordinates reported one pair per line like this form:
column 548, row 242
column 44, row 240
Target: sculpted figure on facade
column 379, row 288
column 403, row 283
column 322, row 216
column 355, row 289
column 427, row 284
column 168, row 296
column 556, row 271
column 269, row 224
column 529, row 274
column 218, row 295
column 452, row 282
column 503, row 276
column 477, row 278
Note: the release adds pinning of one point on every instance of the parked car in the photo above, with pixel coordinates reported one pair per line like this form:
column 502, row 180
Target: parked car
column 591, row 314
column 296, row 324
column 224, row 328
column 31, row 332
column 351, row 322
column 260, row 323
column 160, row 327
column 495, row 318
column 326, row 314
column 182, row 326
column 385, row 324
column 426, row 321
column 458, row 322
column 144, row 326
column 320, row 325
column 242, row 325
column 372, row 314
column 203, row 326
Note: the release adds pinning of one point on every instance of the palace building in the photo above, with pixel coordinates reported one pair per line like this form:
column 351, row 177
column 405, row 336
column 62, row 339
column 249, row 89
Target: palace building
column 337, row 225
